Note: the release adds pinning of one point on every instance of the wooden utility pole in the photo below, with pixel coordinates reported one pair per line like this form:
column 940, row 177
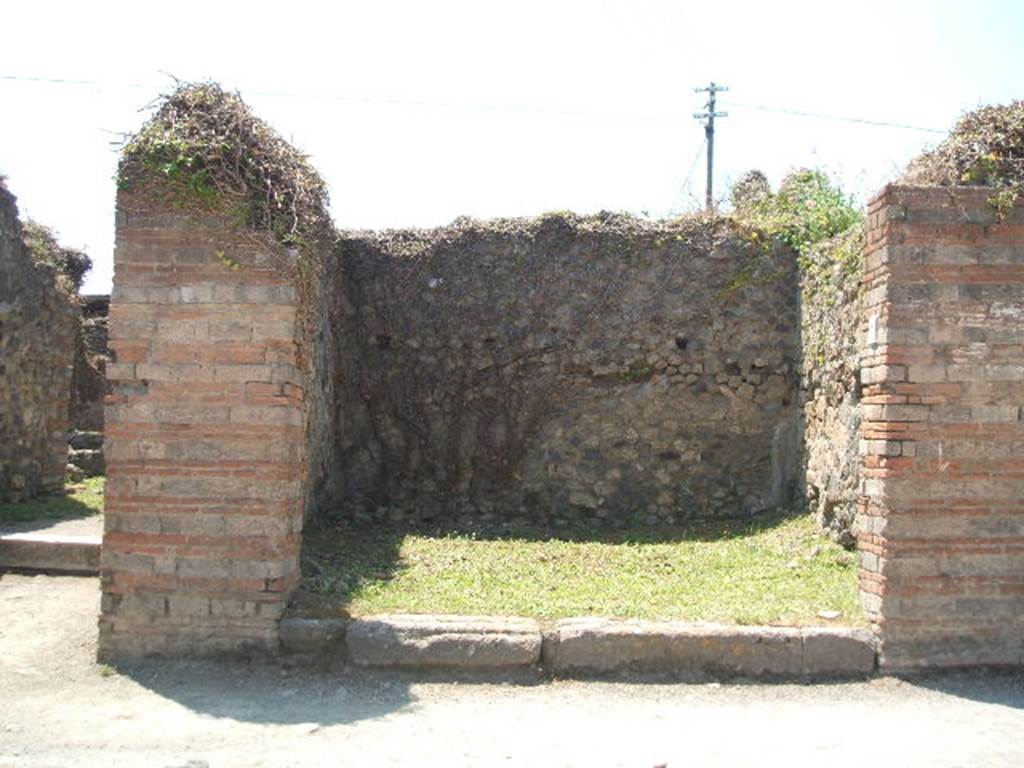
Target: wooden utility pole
column 709, row 133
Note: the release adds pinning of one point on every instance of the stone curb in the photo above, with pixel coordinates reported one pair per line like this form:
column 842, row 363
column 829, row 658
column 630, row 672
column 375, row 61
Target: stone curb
column 463, row 642
column 585, row 646
column 593, row 645
column 322, row 637
column 47, row 552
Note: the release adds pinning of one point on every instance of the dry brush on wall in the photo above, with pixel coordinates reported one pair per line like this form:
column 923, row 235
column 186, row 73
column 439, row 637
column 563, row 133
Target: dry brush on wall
column 564, row 367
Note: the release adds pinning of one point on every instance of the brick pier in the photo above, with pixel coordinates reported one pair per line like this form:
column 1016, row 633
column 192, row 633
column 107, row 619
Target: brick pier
column 205, row 439
column 942, row 517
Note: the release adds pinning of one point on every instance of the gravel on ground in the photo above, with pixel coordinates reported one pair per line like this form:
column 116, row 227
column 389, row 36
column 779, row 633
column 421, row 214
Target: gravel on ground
column 62, row 709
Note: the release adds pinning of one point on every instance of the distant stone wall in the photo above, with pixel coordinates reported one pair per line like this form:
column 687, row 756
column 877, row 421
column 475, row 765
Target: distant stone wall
column 88, row 389
column 831, row 333
column 564, row 368
column 941, row 529
column 89, row 384
column 38, row 322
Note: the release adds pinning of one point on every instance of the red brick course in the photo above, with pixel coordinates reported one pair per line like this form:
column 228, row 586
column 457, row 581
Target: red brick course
column 941, row 530
column 205, row 440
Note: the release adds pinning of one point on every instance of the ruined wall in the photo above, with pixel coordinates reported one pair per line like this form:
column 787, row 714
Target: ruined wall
column 564, row 367
column 832, row 327
column 37, row 331
column 941, row 528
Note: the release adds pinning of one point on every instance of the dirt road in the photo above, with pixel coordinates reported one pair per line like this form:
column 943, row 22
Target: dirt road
column 60, row 709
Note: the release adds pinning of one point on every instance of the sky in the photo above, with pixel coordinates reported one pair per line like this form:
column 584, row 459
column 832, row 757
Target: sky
column 416, row 113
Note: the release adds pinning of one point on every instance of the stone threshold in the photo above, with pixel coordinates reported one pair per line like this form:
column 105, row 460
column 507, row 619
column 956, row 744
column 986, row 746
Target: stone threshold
column 52, row 553
column 584, row 647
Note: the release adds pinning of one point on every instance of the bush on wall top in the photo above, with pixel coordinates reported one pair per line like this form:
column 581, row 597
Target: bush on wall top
column 984, row 149
column 808, row 208
column 215, row 154
column 71, row 265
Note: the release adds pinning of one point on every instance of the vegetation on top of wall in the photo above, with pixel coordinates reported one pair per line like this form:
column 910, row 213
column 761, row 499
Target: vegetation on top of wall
column 807, row 209
column 215, row 154
column 984, row 149
column 71, row 265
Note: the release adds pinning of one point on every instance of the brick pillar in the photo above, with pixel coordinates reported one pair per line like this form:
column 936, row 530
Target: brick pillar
column 205, row 436
column 942, row 510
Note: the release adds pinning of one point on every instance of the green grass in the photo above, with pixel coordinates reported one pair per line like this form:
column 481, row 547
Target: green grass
column 83, row 499
column 775, row 570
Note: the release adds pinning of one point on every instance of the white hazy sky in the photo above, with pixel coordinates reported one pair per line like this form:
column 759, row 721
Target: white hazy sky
column 418, row 112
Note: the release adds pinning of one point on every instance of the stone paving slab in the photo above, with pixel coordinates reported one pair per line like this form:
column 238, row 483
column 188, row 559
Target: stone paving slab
column 466, row 642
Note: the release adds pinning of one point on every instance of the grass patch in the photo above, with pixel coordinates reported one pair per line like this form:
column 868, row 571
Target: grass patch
column 774, row 570
column 82, row 499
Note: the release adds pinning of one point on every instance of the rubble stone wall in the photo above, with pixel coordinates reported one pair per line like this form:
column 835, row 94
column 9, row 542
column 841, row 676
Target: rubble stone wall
column 832, row 327
column 38, row 323
column 564, row 367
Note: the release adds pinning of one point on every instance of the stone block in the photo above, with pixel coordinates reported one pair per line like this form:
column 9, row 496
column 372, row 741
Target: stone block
column 47, row 552
column 313, row 636
column 465, row 642
column 594, row 645
column 838, row 652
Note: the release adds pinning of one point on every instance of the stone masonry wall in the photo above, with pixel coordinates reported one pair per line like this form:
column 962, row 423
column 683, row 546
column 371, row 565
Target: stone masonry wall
column 564, row 367
column 38, row 322
column 942, row 518
column 831, row 330
column 88, row 389
column 205, row 438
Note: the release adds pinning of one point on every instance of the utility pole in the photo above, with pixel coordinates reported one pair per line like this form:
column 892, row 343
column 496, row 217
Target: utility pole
column 709, row 133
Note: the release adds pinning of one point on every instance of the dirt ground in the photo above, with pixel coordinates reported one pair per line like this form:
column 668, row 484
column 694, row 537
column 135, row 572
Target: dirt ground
column 60, row 709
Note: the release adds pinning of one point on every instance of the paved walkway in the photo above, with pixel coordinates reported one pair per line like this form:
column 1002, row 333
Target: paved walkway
column 57, row 546
column 60, row 709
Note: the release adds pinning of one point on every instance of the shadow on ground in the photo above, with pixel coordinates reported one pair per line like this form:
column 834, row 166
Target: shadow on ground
column 42, row 512
column 1004, row 687
column 265, row 692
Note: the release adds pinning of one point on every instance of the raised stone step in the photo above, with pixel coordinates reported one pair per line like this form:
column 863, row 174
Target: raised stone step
column 50, row 552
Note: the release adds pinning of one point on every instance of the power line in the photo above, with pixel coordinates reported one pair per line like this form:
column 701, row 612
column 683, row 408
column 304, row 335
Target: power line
column 466, row 106
column 693, row 165
column 684, row 188
column 836, row 118
column 494, row 107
